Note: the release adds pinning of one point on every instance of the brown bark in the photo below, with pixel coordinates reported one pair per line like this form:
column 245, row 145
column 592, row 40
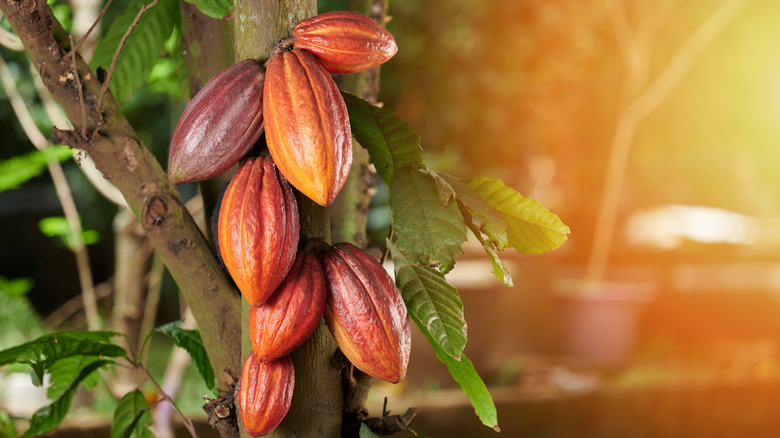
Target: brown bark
column 317, row 399
column 124, row 160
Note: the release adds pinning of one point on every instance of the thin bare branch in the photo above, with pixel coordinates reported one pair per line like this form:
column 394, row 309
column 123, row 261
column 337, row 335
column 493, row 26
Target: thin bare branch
column 683, row 59
column 54, row 111
column 623, row 32
column 629, row 118
column 73, row 305
column 187, row 423
column 119, row 48
column 9, row 40
column 63, row 193
column 84, row 38
column 80, row 90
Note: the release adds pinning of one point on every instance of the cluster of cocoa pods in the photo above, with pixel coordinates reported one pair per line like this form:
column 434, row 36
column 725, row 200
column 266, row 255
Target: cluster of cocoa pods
column 291, row 285
column 294, row 100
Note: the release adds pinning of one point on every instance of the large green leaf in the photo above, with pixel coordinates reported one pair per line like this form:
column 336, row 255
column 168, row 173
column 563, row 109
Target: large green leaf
column 390, row 141
column 19, row 322
column 142, row 48
column 213, row 8
column 429, row 232
column 464, row 373
column 41, row 353
column 530, row 228
column 499, row 270
column 49, row 417
column 132, row 417
column 191, row 341
column 491, row 221
column 17, row 170
column 430, row 298
column 63, row 371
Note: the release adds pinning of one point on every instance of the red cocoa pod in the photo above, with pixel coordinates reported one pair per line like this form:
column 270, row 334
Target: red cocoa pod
column 292, row 313
column 219, row 125
column 307, row 126
column 345, row 42
column 258, row 229
column 264, row 393
column 365, row 313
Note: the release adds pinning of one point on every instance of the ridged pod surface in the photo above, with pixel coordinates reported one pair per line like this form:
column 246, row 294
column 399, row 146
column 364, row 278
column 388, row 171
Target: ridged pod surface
column 258, row 229
column 344, row 41
column 307, row 126
column 264, row 393
column 292, row 313
column 365, row 313
column 219, row 125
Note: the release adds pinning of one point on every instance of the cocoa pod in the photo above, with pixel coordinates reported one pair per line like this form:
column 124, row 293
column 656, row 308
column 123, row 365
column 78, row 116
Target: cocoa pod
column 292, row 313
column 258, row 229
column 219, row 125
column 344, row 41
column 365, row 313
column 264, row 393
column 307, row 126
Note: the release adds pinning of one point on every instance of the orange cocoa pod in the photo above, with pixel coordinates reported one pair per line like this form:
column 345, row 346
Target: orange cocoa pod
column 365, row 313
column 344, row 41
column 292, row 313
column 219, row 125
column 258, row 229
column 307, row 126
column 264, row 393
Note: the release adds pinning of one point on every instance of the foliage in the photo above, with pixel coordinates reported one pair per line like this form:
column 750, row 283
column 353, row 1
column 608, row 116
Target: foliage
column 17, row 170
column 57, row 226
column 132, row 416
column 19, row 322
column 214, row 8
column 142, row 48
column 190, row 341
column 431, row 212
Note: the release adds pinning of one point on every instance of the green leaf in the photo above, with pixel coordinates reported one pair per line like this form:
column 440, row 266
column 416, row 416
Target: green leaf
column 132, row 417
column 49, row 417
column 19, row 322
column 213, row 8
column 429, row 232
column 17, row 170
column 390, row 141
column 41, row 353
column 492, row 221
column 142, row 48
column 57, row 226
column 464, row 373
column 531, row 228
column 191, row 341
column 17, row 287
column 430, row 298
column 7, row 428
column 499, row 270
column 63, row 372
column 366, row 432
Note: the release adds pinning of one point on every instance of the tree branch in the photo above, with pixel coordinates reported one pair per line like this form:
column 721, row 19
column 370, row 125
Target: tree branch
column 125, row 161
column 629, row 118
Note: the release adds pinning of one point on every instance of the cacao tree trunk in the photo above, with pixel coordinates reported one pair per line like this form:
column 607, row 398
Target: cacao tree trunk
column 317, row 399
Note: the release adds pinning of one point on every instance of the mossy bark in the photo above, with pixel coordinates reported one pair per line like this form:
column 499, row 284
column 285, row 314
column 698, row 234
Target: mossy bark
column 317, row 399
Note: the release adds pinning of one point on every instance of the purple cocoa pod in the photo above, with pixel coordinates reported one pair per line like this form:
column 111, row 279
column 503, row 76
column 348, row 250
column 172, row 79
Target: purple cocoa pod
column 219, row 125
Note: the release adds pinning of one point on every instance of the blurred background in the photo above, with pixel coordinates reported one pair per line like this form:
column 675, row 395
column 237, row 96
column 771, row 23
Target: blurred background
column 651, row 127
